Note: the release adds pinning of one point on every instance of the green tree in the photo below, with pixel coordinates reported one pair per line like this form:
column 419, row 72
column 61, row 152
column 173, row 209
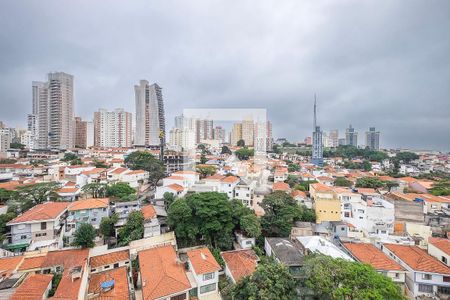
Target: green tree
column 241, row 143
column 7, row 161
column 250, row 225
column 17, row 146
column 225, row 150
column 5, row 218
column 292, row 180
column 370, row 182
column 341, row 181
column 391, row 184
column 205, row 170
column 293, row 168
column 406, row 156
column 95, row 189
column 281, row 210
column 169, row 198
column 203, row 158
column 366, row 165
column 5, row 195
column 133, row 229
column 37, row 193
column 271, row 280
column 329, row 278
column 119, row 190
column 100, row 164
column 84, row 236
column 180, row 219
column 441, row 188
column 309, row 215
column 244, row 153
column 141, row 160
column 107, row 228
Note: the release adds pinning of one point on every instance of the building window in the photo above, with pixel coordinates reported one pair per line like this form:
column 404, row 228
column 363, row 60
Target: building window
column 444, row 259
column 43, row 225
column 208, row 276
column 425, row 288
column 446, row 279
column 397, row 275
column 23, row 237
column 426, row 276
column 116, row 265
column 207, row 288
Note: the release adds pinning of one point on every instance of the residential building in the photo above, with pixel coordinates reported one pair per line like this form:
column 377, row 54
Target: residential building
column 27, row 139
column 35, row 286
column 219, row 134
column 86, row 211
column 318, row 244
column 351, row 136
column 325, row 203
column 40, row 226
column 112, row 128
column 5, row 140
column 99, row 288
column 80, row 133
column 333, row 138
column 440, row 249
column 248, row 129
column 285, row 252
column 204, row 130
column 317, row 141
column 151, row 223
column 427, row 276
column 150, row 116
column 112, row 259
column 205, row 269
column 369, row 254
column 373, row 139
column 39, row 119
column 239, row 263
column 236, row 134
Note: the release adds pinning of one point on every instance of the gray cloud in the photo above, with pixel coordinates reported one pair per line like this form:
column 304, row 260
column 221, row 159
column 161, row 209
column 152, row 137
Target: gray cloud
column 372, row 63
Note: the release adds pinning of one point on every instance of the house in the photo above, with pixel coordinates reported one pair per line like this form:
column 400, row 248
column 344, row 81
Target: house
column 69, row 192
column 245, row 191
column 9, row 266
column 325, row 203
column 369, row 254
column 135, row 178
column 191, row 177
column 38, row 227
column 301, row 198
column 35, row 286
column 123, row 209
column 205, row 269
column 239, row 263
column 90, row 211
column 112, row 259
column 280, row 174
column 301, row 229
column 281, row 186
column 440, row 249
column 426, row 275
column 174, row 189
column 243, row 241
column 286, row 252
column 228, row 184
column 151, row 223
column 111, row 284
column 162, row 274
column 317, row 244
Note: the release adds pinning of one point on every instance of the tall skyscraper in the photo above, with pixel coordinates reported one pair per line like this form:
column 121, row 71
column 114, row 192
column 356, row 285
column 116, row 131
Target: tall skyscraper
column 373, row 139
column 351, row 136
column 333, row 138
column 236, row 134
column 52, row 111
column 317, row 143
column 219, row 133
column 112, row 128
column 248, row 130
column 150, row 117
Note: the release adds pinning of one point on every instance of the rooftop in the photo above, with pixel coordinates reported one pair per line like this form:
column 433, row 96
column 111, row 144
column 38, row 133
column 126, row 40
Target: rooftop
column 90, row 203
column 440, row 243
column 285, row 251
column 40, row 212
column 240, row 263
column 369, row 254
column 203, row 261
column 119, row 291
column 109, row 258
column 33, row 287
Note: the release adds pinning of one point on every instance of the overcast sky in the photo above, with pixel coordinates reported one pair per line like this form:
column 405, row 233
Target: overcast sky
column 372, row 63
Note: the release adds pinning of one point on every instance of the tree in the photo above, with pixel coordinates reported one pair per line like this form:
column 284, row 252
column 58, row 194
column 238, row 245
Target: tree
column 96, row 190
column 72, row 159
column 5, row 195
column 281, row 210
column 6, row 161
column 370, row 182
column 330, row 278
column 441, row 188
column 202, row 217
column 391, row 184
column 341, row 181
column 293, row 168
column 271, row 280
column 169, row 198
column 244, row 153
column 406, row 156
column 107, row 228
column 250, row 225
column 141, row 160
column 5, row 218
column 119, row 190
column 133, row 229
column 37, row 193
column 366, row 165
column 241, row 143
column 99, row 164
column 225, row 150
column 309, row 215
column 292, row 180
column 17, row 146
column 84, row 236
column 203, row 158
column 205, row 170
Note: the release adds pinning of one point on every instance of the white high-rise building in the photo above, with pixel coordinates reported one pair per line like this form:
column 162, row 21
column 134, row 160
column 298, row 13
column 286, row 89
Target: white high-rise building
column 219, row 134
column 5, row 140
column 112, row 128
column 90, row 134
column 27, row 139
column 333, row 138
column 150, row 119
column 52, row 118
column 373, row 139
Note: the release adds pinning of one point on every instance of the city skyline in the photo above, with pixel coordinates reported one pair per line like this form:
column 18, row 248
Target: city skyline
column 396, row 77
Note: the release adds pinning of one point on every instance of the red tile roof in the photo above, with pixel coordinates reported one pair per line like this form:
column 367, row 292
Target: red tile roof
column 149, row 212
column 230, row 179
column 240, row 263
column 280, row 186
column 418, row 259
column 30, row 263
column 109, row 258
column 9, row 264
column 440, row 243
column 90, row 203
column 40, row 212
column 369, row 254
column 319, row 187
column 175, row 178
column 120, row 290
column 33, row 287
column 161, row 273
column 176, row 187
column 203, row 261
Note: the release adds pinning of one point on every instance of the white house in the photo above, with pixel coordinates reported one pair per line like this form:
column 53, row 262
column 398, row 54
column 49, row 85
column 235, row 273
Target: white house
column 151, row 223
column 205, row 269
column 440, row 249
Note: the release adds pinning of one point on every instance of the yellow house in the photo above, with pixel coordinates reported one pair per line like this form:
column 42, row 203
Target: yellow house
column 325, row 203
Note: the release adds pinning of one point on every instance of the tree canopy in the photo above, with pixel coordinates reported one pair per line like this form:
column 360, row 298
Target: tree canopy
column 133, row 229
column 225, row 150
column 205, row 170
column 406, row 156
column 341, row 181
column 441, row 188
column 240, row 143
column 84, row 236
column 119, row 190
column 329, row 278
column 107, row 228
column 37, row 193
column 95, row 189
column 141, row 160
column 244, row 153
column 370, row 182
column 250, row 225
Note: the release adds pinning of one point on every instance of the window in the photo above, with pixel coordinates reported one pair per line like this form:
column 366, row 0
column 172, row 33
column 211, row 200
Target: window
column 248, row 242
column 21, row 226
column 106, row 267
column 43, row 225
column 116, row 265
column 23, row 237
column 426, row 276
column 444, row 259
column 397, row 275
column 93, row 219
column 446, row 279
column 425, row 288
column 207, row 288
column 208, row 276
